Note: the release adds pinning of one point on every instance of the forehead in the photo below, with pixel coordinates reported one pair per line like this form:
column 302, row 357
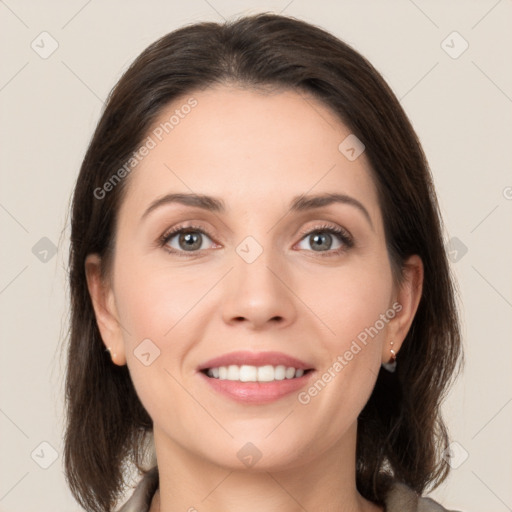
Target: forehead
column 251, row 148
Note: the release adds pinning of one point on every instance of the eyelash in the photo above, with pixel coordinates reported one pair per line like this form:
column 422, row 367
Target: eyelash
column 342, row 235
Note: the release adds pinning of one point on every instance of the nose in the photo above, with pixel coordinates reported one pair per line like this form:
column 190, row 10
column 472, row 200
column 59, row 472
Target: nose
column 259, row 295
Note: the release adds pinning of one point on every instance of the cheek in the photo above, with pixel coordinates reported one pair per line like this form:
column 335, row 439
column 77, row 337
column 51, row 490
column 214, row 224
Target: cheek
column 356, row 307
column 153, row 301
column 350, row 301
column 153, row 307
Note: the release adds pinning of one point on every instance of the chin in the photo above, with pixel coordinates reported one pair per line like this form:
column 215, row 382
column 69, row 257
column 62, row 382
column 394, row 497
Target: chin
column 260, row 453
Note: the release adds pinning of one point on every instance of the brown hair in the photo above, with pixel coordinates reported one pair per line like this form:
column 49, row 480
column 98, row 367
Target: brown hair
column 400, row 430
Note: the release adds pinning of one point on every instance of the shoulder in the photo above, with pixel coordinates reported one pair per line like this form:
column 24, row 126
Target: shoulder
column 140, row 500
column 401, row 498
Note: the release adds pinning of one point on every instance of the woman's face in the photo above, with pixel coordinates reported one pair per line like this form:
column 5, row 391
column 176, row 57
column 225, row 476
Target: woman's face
column 259, row 274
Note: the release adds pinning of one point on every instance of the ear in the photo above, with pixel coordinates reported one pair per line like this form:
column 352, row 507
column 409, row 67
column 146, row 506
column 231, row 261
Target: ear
column 102, row 297
column 407, row 300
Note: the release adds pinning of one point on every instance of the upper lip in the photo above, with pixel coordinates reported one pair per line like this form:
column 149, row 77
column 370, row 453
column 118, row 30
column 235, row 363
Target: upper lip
column 240, row 358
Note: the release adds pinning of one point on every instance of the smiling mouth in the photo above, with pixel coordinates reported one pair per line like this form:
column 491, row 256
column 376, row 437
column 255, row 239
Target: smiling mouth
column 249, row 373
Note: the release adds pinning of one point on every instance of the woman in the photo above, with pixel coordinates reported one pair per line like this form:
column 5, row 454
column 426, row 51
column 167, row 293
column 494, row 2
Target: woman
column 259, row 288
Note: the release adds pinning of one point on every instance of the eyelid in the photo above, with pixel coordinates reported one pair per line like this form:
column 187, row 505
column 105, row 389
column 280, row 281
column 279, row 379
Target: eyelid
column 328, row 227
column 182, row 227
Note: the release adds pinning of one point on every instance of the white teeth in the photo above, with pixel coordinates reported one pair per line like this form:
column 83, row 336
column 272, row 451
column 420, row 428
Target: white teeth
column 290, row 373
column 247, row 373
column 266, row 373
column 233, row 372
column 279, row 372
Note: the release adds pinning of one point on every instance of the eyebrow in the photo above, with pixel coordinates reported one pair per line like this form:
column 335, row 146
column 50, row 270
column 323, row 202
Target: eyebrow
column 298, row 204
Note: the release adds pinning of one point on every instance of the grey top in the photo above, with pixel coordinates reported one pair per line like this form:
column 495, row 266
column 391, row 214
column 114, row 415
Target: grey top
column 400, row 498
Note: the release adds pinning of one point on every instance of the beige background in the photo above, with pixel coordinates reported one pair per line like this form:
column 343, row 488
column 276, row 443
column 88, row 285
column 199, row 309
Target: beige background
column 460, row 107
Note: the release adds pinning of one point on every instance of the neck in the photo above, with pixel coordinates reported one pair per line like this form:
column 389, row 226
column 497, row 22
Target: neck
column 325, row 482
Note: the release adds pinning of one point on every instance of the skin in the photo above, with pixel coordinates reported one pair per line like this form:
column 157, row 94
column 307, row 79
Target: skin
column 251, row 149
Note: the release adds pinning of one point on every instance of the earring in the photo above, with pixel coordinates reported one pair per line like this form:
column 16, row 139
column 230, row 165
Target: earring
column 112, row 355
column 391, row 366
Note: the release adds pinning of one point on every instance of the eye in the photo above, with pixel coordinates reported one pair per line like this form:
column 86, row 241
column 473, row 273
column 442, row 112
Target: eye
column 190, row 240
column 321, row 239
column 184, row 239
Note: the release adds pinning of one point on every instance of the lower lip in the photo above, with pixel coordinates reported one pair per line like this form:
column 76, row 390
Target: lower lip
column 257, row 392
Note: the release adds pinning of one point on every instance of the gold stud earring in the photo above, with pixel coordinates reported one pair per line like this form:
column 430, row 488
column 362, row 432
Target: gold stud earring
column 393, row 353
column 113, row 355
column 391, row 366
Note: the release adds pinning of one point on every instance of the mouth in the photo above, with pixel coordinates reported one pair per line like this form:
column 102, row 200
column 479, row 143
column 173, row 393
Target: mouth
column 256, row 378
